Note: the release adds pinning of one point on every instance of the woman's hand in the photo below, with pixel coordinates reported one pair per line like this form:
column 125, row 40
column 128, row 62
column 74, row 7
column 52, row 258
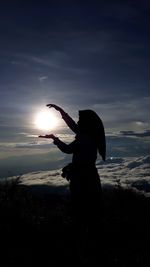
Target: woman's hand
column 55, row 106
column 49, row 136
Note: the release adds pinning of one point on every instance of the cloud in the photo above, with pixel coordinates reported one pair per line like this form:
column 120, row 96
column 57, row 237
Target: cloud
column 123, row 112
column 27, row 160
column 35, row 141
column 141, row 123
column 44, row 182
column 142, row 185
column 144, row 162
column 131, row 172
column 34, row 144
column 43, row 78
column 136, row 134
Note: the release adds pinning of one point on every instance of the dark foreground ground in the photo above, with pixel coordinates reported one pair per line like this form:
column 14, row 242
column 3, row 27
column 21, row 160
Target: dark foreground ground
column 36, row 229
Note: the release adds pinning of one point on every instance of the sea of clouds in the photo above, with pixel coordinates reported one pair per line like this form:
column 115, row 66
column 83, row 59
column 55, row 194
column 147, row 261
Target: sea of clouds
column 131, row 172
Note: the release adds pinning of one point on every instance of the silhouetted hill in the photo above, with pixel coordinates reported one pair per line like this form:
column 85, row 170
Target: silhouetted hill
column 38, row 229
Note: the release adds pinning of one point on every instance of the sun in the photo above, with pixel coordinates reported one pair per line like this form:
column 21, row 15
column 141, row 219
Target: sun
column 46, row 120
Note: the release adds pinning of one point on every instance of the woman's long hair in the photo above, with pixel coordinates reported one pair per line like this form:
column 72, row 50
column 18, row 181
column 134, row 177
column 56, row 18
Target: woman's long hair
column 90, row 123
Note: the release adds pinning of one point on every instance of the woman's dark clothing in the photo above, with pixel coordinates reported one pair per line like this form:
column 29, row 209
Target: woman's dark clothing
column 85, row 190
column 85, row 184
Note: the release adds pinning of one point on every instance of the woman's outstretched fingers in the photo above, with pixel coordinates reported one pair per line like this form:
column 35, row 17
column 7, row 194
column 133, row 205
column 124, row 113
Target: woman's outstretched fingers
column 43, row 136
column 49, row 105
column 53, row 106
column 47, row 136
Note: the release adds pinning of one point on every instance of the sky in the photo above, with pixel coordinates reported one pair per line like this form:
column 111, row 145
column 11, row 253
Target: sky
column 79, row 55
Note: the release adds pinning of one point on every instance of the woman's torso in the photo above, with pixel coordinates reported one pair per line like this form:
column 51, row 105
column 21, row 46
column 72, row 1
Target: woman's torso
column 85, row 151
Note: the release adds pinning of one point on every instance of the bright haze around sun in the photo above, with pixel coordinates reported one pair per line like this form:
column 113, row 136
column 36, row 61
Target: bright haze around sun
column 45, row 120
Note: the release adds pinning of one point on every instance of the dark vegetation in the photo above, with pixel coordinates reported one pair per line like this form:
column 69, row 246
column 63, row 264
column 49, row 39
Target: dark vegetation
column 37, row 229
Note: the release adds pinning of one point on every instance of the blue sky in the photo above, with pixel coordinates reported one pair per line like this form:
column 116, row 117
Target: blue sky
column 77, row 54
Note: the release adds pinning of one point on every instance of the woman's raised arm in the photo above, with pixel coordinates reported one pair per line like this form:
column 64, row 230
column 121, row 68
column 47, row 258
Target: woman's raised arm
column 69, row 121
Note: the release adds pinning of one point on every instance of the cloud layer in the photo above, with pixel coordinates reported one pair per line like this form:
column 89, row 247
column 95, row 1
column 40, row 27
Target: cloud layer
column 129, row 172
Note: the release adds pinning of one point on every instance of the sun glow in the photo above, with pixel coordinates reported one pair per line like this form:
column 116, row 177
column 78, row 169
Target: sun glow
column 46, row 120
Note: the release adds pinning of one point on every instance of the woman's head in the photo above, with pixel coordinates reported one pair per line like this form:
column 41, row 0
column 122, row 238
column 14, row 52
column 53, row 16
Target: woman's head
column 90, row 123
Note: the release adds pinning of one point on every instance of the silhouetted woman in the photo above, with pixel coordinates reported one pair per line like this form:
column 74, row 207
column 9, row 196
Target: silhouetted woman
column 84, row 180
